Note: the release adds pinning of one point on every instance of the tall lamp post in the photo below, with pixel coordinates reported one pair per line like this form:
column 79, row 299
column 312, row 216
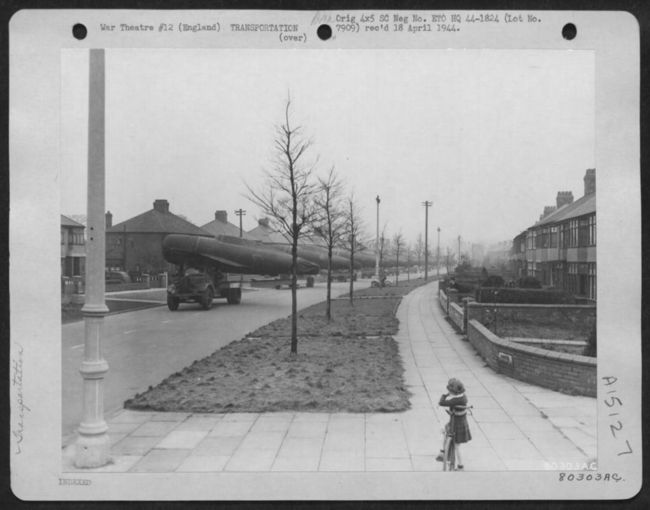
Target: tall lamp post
column 377, row 243
column 426, row 205
column 240, row 212
column 459, row 250
column 438, row 256
column 92, row 447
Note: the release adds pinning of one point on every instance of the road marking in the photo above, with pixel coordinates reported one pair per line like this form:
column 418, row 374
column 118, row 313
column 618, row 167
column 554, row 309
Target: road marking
column 165, row 322
column 77, row 346
column 130, row 331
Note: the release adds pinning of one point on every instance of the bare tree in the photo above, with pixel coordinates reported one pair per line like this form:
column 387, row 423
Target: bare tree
column 419, row 249
column 331, row 223
column 408, row 262
column 286, row 196
column 353, row 229
column 398, row 243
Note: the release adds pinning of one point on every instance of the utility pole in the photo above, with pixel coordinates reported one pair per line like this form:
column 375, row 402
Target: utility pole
column 377, row 243
column 240, row 213
column 459, row 250
column 438, row 256
column 426, row 205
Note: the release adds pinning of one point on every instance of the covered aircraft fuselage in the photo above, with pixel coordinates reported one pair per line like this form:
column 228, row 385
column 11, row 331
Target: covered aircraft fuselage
column 231, row 257
column 314, row 253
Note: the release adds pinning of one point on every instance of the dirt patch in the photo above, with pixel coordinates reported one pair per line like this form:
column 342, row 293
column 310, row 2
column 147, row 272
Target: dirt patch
column 537, row 330
column 350, row 363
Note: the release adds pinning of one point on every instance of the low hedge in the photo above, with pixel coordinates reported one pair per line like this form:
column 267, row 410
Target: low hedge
column 523, row 296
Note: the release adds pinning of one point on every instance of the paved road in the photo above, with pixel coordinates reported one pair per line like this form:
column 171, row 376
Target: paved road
column 144, row 347
column 515, row 427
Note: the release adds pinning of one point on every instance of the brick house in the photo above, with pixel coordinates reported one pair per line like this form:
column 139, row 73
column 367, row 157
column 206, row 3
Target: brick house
column 220, row 226
column 265, row 233
column 135, row 245
column 560, row 248
column 73, row 248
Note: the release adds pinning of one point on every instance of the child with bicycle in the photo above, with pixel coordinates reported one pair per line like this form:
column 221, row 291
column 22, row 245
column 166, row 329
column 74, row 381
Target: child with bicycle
column 456, row 401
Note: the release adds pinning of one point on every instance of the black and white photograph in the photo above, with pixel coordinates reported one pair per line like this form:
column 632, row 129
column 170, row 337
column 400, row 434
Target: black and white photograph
column 377, row 265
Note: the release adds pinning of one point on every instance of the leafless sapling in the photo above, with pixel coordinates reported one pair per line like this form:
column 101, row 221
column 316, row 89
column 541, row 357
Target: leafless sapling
column 331, row 222
column 287, row 197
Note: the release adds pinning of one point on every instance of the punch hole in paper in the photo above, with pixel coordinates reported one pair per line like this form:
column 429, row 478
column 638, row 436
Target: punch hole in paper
column 569, row 31
column 79, row 31
column 324, row 32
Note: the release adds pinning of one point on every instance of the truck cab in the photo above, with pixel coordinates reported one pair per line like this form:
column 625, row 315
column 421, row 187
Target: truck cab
column 196, row 285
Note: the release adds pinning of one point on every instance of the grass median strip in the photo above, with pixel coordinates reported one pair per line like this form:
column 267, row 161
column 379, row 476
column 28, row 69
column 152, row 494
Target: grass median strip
column 350, row 363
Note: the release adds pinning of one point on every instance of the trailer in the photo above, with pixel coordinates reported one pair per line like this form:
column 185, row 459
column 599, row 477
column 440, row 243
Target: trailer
column 201, row 287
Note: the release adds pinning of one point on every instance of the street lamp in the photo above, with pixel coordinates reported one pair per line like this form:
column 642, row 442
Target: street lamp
column 92, row 447
column 438, row 256
column 240, row 212
column 377, row 243
column 426, row 205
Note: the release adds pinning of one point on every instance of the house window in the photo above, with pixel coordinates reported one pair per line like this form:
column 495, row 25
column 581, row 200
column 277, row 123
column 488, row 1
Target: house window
column 77, row 238
column 592, row 230
column 76, row 266
column 591, row 280
column 553, row 237
column 573, row 233
column 542, row 240
column 583, row 232
column 572, row 278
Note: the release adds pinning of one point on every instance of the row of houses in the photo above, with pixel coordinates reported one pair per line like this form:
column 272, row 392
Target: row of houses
column 560, row 248
column 135, row 245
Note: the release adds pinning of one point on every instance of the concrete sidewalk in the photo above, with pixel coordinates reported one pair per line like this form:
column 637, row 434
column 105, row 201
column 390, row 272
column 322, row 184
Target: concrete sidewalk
column 515, row 426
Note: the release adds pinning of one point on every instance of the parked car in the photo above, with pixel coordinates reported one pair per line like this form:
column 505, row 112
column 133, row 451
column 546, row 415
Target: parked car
column 117, row 277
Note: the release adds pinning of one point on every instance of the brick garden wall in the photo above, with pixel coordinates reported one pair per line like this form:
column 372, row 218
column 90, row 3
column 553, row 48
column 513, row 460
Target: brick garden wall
column 456, row 315
column 571, row 373
column 444, row 301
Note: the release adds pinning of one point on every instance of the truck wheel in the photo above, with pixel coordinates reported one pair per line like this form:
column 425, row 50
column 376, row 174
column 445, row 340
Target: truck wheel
column 206, row 300
column 172, row 303
column 234, row 296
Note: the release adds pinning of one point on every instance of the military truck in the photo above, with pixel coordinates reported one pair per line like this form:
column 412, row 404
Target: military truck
column 197, row 286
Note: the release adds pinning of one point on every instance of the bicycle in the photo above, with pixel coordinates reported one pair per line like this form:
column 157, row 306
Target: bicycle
column 449, row 452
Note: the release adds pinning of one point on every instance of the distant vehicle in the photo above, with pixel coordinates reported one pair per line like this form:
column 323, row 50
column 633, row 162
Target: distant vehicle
column 231, row 255
column 203, row 262
column 195, row 286
column 117, row 277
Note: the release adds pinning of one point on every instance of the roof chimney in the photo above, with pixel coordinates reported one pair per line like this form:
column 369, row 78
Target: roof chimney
column 221, row 216
column 564, row 198
column 263, row 222
column 109, row 219
column 590, row 181
column 548, row 210
column 161, row 205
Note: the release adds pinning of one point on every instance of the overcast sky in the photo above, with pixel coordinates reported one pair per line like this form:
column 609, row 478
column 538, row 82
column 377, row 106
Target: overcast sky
column 488, row 136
